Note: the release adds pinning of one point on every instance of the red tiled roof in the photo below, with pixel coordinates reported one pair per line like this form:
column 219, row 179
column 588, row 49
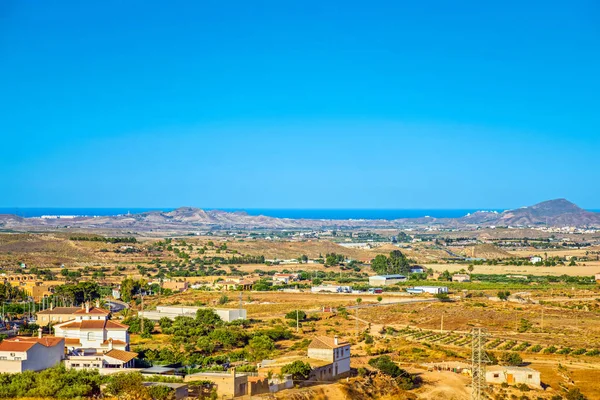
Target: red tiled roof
column 324, row 342
column 72, row 341
column 110, row 324
column 93, row 310
column 16, row 346
column 121, row 355
column 21, row 343
column 93, row 325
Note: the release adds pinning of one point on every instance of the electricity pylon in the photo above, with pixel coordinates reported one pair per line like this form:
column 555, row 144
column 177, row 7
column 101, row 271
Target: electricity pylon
column 478, row 360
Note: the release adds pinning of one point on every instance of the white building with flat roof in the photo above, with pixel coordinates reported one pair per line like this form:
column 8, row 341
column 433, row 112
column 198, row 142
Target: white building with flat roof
column 172, row 312
column 428, row 289
column 386, row 280
column 513, row 376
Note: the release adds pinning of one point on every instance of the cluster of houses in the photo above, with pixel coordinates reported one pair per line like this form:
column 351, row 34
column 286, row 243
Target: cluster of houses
column 87, row 338
column 84, row 337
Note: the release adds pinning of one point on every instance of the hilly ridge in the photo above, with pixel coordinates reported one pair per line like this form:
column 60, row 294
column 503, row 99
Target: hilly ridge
column 559, row 213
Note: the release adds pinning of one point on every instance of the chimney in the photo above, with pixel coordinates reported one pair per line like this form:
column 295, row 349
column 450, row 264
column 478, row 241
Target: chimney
column 40, row 333
column 110, row 344
column 87, row 307
column 97, row 303
column 83, row 306
column 335, row 340
column 52, row 306
column 233, row 372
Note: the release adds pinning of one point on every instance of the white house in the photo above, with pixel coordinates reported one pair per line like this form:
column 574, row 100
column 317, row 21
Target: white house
column 461, row 278
column 513, row 376
column 20, row 354
column 417, row 269
column 91, row 329
column 335, row 351
column 386, row 280
column 284, row 278
column 535, row 259
column 172, row 312
column 110, row 361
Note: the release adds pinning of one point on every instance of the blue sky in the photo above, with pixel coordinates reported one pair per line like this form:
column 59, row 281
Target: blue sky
column 299, row 104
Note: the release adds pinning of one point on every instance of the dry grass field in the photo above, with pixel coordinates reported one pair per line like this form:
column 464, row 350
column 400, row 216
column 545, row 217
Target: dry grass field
column 557, row 317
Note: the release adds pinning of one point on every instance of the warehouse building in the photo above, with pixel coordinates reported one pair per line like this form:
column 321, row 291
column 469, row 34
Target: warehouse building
column 386, row 280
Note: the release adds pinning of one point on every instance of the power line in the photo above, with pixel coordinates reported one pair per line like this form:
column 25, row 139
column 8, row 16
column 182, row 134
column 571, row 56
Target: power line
column 478, row 360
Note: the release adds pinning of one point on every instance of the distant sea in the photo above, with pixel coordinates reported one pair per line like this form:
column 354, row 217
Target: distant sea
column 270, row 212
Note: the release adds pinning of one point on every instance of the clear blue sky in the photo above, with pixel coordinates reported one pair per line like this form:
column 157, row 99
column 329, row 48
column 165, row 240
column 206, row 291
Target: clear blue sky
column 299, row 104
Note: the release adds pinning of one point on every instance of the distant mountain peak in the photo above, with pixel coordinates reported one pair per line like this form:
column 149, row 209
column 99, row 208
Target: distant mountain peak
column 562, row 205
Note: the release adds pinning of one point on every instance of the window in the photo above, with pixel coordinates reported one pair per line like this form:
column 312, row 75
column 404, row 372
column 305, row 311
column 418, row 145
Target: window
column 90, row 336
column 3, row 358
column 496, row 375
column 530, row 376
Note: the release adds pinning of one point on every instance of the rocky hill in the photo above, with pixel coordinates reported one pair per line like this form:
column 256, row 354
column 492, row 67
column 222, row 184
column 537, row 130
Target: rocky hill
column 558, row 212
column 551, row 213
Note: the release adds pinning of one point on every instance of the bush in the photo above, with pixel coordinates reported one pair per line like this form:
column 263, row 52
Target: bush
column 55, row 382
column 299, row 370
column 292, row 315
column 536, row 349
column 388, row 367
column 442, row 296
column 523, row 387
column 161, row 392
column 574, row 394
column 511, row 359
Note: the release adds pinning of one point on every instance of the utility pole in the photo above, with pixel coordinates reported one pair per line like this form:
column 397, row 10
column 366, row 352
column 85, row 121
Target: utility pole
column 442, row 324
column 297, row 323
column 478, row 360
column 142, row 319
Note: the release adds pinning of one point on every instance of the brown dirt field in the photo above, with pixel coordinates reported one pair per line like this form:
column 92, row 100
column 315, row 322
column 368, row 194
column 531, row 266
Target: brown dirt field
column 589, row 269
column 487, row 251
column 37, row 250
column 312, row 248
column 564, row 327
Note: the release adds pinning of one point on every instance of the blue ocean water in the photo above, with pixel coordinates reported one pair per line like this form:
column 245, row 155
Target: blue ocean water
column 270, row 212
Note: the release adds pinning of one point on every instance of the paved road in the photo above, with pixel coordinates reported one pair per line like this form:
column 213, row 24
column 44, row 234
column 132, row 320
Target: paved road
column 116, row 305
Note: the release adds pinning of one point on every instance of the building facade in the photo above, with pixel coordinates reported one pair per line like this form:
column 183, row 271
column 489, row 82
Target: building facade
column 56, row 315
column 336, row 352
column 20, row 354
column 513, row 376
column 386, row 280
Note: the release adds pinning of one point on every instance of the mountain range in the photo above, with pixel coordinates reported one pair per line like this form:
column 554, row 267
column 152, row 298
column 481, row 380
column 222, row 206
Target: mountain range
column 556, row 213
